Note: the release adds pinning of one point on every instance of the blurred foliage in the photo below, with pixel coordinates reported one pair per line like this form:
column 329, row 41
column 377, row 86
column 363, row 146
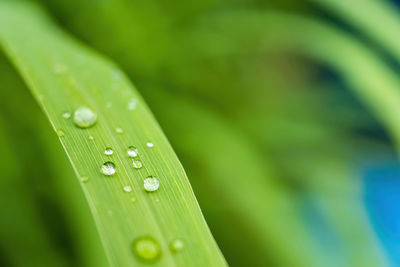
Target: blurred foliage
column 273, row 107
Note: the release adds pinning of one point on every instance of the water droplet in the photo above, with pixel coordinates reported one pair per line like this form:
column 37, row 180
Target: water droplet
column 177, row 245
column 110, row 212
column 84, row 117
column 59, row 68
column 149, row 144
column 108, row 105
column 133, row 200
column 137, row 164
column 108, row 151
column 147, row 249
column 66, row 115
column 119, row 130
column 108, row 168
column 132, row 152
column 60, row 133
column 84, row 179
column 132, row 104
column 151, row 184
column 91, row 137
column 117, row 75
column 127, row 188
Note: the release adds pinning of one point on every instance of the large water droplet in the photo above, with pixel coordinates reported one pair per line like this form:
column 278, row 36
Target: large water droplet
column 84, row 117
column 108, row 168
column 149, row 144
column 151, row 184
column 147, row 249
column 108, row 151
column 177, row 245
column 137, row 164
column 132, row 152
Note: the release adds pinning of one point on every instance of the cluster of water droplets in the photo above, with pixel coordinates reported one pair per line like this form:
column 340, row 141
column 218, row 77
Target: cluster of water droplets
column 146, row 248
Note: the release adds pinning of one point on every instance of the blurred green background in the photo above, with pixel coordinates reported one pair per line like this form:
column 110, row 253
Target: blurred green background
column 279, row 111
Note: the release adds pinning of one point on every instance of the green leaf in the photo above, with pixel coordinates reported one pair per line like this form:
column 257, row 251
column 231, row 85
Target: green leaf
column 63, row 76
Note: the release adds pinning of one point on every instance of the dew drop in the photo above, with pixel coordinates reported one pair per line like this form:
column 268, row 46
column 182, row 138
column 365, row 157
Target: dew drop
column 127, row 188
column 60, row 133
column 66, row 115
column 149, row 144
column 108, row 168
column 133, row 200
column 84, row 117
column 132, row 104
column 147, row 249
column 132, row 152
column 108, row 105
column 108, row 151
column 151, row 184
column 116, row 75
column 59, row 68
column 177, row 245
column 84, row 179
column 119, row 130
column 91, row 137
column 110, row 212
column 137, row 164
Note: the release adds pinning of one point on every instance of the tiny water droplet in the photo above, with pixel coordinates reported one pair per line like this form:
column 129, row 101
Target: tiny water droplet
column 137, row 164
column 110, row 212
column 108, row 105
column 66, row 115
column 151, row 184
column 127, row 188
column 117, row 75
column 60, row 133
column 59, row 68
column 84, row 117
column 147, row 249
column 91, row 137
column 84, row 179
column 177, row 245
column 149, row 144
column 108, row 151
column 133, row 200
column 132, row 152
column 108, row 168
column 132, row 104
column 119, row 130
